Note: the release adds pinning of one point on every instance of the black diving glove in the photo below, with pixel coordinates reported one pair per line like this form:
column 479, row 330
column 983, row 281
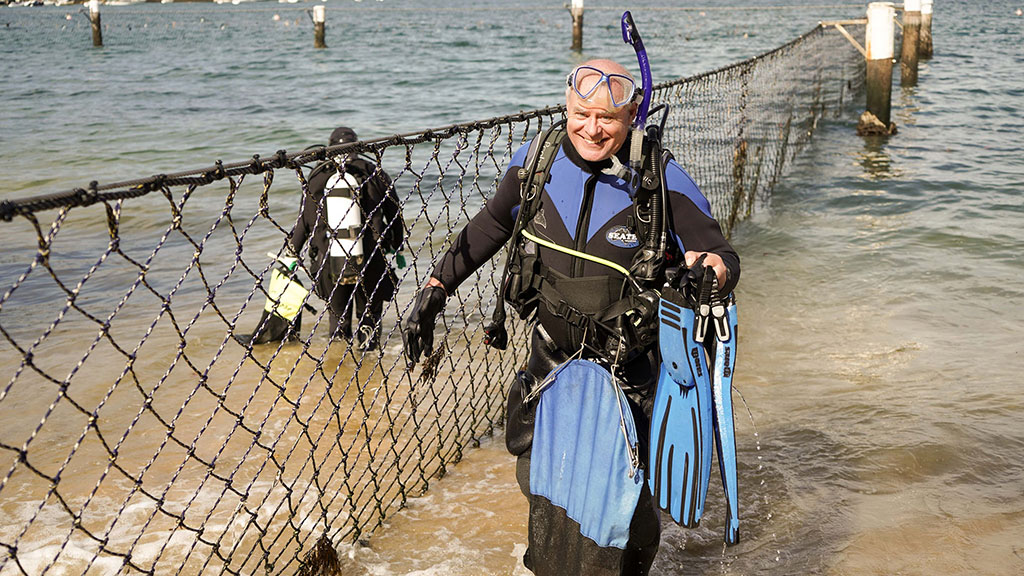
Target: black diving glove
column 418, row 328
column 496, row 336
column 689, row 281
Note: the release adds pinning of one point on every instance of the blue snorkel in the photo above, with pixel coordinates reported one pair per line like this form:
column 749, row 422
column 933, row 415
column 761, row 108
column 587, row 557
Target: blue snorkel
column 631, row 36
column 646, row 181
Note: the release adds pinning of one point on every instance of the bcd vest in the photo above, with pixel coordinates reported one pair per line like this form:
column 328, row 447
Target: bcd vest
column 613, row 317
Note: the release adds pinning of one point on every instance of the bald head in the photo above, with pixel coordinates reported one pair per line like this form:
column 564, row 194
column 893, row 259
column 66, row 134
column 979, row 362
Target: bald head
column 600, row 108
column 608, row 66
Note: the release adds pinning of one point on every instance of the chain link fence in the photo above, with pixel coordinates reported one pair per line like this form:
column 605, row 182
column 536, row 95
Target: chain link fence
column 137, row 435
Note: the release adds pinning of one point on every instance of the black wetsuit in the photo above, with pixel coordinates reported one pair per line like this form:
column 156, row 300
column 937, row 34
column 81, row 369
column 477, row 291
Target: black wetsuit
column 591, row 212
column 383, row 231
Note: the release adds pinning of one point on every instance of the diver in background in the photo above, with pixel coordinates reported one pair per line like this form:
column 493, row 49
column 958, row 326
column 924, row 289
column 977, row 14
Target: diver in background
column 351, row 219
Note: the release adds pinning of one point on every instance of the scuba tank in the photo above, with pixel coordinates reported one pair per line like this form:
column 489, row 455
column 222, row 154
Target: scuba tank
column 345, row 226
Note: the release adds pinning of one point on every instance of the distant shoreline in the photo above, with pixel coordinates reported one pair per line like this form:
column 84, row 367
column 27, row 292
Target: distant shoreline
column 120, row 3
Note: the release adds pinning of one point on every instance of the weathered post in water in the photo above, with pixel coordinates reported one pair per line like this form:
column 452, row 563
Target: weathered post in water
column 879, row 41
column 911, row 38
column 577, row 25
column 924, row 47
column 94, row 19
column 319, row 23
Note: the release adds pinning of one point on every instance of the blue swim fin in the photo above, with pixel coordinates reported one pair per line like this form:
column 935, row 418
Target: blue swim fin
column 724, row 313
column 680, row 447
column 584, row 457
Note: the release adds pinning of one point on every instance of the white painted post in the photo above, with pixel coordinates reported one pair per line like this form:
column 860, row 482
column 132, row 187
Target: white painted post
column 925, row 45
column 879, row 43
column 577, row 25
column 94, row 21
column 911, row 39
column 319, row 25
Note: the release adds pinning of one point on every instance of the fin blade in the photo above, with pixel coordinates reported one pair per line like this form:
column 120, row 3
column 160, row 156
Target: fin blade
column 681, row 427
column 725, row 432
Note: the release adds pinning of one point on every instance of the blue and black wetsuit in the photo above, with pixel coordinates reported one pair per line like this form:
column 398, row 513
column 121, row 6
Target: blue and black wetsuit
column 588, row 211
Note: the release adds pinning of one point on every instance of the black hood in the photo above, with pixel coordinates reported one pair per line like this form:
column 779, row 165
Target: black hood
column 341, row 135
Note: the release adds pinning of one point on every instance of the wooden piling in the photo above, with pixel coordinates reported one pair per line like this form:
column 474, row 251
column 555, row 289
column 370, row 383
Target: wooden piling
column 319, row 25
column 924, row 46
column 879, row 42
column 94, row 20
column 577, row 25
column 911, row 39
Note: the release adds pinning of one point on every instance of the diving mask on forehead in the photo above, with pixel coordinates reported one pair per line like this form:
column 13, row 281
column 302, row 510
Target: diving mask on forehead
column 586, row 81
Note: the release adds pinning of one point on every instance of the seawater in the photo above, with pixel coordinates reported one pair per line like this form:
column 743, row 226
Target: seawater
column 182, row 85
column 880, row 305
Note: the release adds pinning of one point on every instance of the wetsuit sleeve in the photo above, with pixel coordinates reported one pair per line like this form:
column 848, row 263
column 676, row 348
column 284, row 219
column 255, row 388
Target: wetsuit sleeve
column 377, row 203
column 306, row 221
column 393, row 236
column 485, row 234
column 693, row 225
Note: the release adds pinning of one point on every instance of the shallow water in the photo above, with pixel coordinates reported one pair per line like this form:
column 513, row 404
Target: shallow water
column 881, row 326
column 880, row 306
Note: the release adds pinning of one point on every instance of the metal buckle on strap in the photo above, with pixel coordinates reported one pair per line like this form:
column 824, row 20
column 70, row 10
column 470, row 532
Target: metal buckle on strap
column 350, row 233
column 571, row 315
column 343, row 192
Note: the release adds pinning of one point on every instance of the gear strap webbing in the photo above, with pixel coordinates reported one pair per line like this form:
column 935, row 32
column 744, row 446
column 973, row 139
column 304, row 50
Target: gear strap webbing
column 539, row 158
column 578, row 254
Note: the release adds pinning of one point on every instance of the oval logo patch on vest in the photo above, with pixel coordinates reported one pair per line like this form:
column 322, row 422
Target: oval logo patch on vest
column 622, row 237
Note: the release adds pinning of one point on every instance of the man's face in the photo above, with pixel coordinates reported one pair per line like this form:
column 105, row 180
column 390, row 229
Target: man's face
column 596, row 128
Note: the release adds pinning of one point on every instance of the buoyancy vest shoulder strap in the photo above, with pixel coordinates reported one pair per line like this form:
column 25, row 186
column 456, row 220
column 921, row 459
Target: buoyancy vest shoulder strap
column 532, row 177
column 357, row 166
column 537, row 167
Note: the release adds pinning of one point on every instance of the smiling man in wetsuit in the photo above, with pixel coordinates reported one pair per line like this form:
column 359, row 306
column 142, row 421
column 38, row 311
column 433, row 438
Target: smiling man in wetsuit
column 584, row 220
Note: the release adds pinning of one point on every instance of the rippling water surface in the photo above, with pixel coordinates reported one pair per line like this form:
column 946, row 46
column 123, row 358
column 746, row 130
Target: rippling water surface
column 881, row 301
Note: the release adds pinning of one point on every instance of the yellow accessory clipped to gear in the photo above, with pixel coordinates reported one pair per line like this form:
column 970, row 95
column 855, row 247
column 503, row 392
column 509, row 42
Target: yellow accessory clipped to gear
column 286, row 295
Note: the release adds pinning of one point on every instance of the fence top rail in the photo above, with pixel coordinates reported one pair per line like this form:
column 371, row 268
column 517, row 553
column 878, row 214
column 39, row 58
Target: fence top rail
column 96, row 192
column 741, row 63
